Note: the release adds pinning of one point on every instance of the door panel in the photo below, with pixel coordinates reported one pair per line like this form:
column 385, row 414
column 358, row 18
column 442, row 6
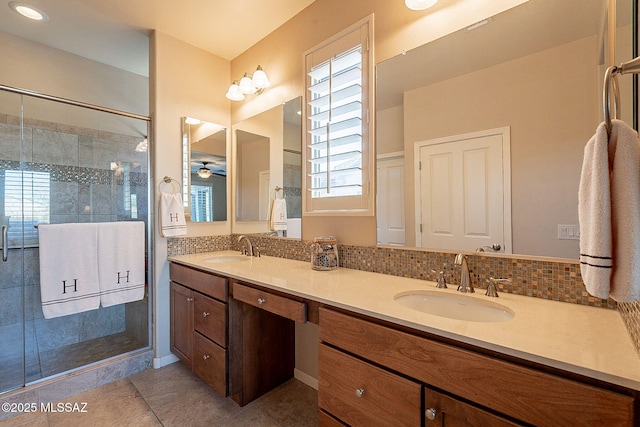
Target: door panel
column 12, row 290
column 390, row 202
column 462, row 196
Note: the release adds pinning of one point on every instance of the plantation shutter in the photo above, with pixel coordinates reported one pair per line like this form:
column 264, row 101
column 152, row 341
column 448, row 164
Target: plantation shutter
column 338, row 151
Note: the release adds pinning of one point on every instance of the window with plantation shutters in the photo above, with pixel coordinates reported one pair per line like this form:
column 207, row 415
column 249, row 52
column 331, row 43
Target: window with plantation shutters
column 338, row 130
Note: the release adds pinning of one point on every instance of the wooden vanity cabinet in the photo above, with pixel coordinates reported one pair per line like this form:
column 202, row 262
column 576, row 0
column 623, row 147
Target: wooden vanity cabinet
column 199, row 316
column 262, row 340
column 464, row 387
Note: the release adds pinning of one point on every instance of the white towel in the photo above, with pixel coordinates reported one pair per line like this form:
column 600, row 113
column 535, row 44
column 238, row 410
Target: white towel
column 68, row 268
column 121, row 266
column 279, row 215
column 609, row 213
column 172, row 220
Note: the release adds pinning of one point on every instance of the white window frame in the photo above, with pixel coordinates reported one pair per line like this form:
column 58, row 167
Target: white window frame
column 364, row 204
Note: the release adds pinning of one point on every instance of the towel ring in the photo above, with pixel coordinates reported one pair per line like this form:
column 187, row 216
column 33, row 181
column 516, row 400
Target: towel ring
column 170, row 181
column 610, row 82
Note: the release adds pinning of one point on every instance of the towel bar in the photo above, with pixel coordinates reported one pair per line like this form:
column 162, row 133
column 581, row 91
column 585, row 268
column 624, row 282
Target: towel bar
column 611, row 82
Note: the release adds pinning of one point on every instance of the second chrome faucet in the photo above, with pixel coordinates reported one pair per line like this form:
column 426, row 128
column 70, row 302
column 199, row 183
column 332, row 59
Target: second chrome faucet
column 465, row 279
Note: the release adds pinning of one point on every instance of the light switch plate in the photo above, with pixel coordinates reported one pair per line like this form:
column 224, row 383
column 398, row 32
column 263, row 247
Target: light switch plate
column 568, row 232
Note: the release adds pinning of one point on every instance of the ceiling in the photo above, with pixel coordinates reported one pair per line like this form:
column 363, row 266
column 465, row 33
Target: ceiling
column 116, row 32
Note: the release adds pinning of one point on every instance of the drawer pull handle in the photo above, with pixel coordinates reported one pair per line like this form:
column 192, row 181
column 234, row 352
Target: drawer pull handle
column 430, row 414
column 206, row 356
column 189, row 299
column 360, row 392
column 205, row 314
column 261, row 301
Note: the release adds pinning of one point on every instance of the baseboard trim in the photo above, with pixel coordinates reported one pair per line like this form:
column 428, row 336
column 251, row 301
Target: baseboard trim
column 159, row 362
column 305, row 378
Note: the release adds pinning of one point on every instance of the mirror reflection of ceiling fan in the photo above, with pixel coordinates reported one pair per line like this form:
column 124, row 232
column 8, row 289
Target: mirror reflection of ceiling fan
column 204, row 172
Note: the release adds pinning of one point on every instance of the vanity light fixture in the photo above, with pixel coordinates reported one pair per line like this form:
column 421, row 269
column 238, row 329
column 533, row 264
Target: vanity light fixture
column 28, row 11
column 419, row 4
column 191, row 121
column 249, row 85
column 204, row 172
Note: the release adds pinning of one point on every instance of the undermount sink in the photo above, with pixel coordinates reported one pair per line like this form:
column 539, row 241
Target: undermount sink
column 460, row 307
column 226, row 258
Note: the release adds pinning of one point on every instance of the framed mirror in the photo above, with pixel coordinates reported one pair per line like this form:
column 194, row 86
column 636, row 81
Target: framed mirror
column 530, row 77
column 267, row 150
column 204, row 170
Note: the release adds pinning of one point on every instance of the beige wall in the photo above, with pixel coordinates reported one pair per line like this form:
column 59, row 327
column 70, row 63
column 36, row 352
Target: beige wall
column 390, row 130
column 185, row 81
column 280, row 54
column 547, row 134
column 396, row 29
column 39, row 68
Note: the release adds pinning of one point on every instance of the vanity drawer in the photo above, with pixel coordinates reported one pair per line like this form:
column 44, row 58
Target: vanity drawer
column 285, row 307
column 210, row 318
column 210, row 363
column 206, row 283
column 521, row 392
column 361, row 394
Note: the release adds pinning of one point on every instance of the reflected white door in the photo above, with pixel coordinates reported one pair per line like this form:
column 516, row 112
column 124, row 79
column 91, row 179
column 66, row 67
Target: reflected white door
column 463, row 191
column 390, row 201
column 264, row 202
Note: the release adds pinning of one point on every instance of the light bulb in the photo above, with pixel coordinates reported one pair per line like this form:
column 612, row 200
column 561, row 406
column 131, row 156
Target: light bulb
column 234, row 92
column 260, row 79
column 246, row 86
column 419, row 4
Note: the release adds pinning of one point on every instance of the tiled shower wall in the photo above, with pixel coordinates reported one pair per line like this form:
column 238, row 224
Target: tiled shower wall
column 557, row 281
column 92, row 176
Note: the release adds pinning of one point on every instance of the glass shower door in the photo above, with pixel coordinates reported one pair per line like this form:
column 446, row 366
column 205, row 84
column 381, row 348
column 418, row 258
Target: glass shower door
column 64, row 163
column 15, row 333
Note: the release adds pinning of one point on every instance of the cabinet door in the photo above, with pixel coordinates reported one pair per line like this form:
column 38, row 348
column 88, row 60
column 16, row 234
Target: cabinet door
column 361, row 394
column 444, row 411
column 182, row 323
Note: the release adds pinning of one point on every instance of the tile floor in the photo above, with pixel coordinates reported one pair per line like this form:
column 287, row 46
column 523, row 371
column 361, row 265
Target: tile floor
column 173, row 396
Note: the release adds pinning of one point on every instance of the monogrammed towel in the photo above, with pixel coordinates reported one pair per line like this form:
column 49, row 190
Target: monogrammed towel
column 121, row 252
column 172, row 220
column 68, row 268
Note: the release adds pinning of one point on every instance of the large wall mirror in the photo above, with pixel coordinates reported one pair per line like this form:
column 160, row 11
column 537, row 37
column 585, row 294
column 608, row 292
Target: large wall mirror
column 204, row 170
column 267, row 150
column 526, row 82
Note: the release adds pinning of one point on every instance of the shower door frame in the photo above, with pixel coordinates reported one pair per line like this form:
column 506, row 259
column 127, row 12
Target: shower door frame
column 150, row 205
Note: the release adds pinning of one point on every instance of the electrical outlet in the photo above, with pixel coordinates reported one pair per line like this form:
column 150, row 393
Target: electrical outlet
column 568, row 232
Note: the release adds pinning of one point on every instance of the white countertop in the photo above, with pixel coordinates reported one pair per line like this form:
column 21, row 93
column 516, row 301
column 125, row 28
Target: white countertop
column 585, row 340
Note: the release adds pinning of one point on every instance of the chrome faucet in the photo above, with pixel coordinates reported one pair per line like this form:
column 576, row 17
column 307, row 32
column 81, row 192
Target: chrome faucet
column 465, row 279
column 249, row 249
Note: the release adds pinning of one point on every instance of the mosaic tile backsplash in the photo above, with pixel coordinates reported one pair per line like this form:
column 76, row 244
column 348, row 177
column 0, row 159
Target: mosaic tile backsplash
column 557, row 281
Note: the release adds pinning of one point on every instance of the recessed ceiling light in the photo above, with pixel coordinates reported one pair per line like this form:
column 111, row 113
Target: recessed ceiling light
column 29, row 11
column 419, row 4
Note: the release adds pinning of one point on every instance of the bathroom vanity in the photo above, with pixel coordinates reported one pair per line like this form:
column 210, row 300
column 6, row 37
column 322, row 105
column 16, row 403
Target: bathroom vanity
column 381, row 363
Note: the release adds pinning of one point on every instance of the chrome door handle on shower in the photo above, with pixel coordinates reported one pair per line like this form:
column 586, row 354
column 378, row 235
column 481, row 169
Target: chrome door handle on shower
column 5, row 242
